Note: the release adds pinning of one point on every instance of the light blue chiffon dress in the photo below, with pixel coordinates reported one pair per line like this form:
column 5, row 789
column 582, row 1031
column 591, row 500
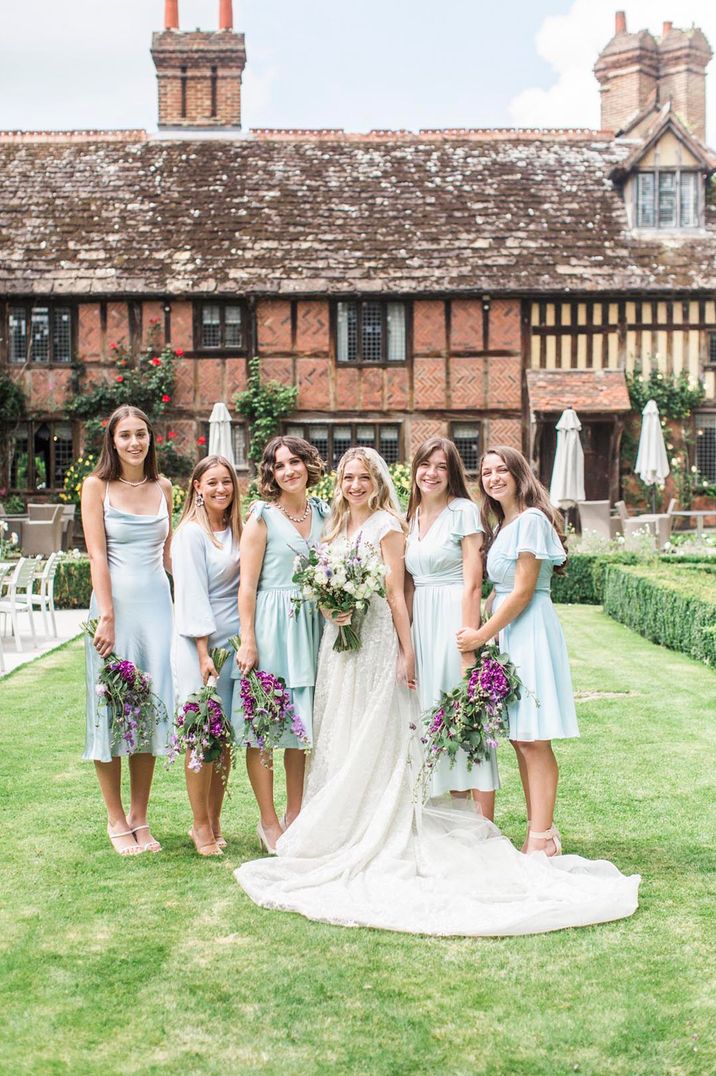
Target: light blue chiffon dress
column 287, row 644
column 142, row 621
column 206, row 589
column 534, row 640
column 435, row 563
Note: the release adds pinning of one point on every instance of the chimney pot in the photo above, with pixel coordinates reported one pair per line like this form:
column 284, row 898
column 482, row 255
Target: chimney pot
column 668, row 27
column 171, row 14
column 620, row 26
column 226, row 15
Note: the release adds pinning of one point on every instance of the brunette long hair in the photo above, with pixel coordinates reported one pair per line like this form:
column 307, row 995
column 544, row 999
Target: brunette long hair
column 268, row 486
column 530, row 494
column 109, row 467
column 195, row 513
column 457, row 482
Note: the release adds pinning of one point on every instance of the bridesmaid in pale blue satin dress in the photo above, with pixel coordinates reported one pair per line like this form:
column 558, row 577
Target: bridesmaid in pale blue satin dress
column 524, row 550
column 272, row 638
column 444, row 561
column 205, row 558
column 126, row 515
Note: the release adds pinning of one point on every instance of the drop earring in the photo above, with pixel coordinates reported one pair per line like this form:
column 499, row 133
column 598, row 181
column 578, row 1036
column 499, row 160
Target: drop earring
column 200, row 500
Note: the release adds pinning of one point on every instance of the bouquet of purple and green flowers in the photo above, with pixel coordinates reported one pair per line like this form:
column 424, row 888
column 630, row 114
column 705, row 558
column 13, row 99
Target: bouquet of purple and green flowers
column 473, row 715
column 126, row 694
column 201, row 728
column 342, row 580
column 267, row 710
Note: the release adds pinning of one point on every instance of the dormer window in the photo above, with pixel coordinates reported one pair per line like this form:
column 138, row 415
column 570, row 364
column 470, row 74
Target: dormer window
column 668, row 198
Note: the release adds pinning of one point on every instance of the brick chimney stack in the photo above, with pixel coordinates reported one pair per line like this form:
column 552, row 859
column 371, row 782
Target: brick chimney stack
column 627, row 71
column 636, row 70
column 199, row 73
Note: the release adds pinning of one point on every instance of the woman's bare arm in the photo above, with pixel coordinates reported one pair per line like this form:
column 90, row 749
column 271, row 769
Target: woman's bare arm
column 472, row 588
column 96, row 542
column 393, row 549
column 253, row 549
column 516, row 602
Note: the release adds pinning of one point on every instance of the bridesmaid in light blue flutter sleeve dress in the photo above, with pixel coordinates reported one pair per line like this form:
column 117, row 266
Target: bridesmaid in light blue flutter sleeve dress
column 205, row 557
column 523, row 552
column 273, row 638
column 127, row 526
column 435, row 563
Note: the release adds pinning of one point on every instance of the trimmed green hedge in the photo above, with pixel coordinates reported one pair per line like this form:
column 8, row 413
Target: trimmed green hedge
column 73, row 585
column 670, row 604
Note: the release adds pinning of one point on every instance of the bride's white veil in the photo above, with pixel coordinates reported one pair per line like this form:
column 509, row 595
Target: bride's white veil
column 382, row 467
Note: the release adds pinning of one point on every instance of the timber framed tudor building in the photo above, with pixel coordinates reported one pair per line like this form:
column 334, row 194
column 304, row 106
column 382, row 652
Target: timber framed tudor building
column 467, row 282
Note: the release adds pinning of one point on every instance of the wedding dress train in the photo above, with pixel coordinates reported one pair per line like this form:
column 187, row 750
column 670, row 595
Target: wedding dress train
column 363, row 852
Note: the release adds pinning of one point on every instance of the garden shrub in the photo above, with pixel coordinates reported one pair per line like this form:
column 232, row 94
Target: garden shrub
column 73, row 585
column 670, row 604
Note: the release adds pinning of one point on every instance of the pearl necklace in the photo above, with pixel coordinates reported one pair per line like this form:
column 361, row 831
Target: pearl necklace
column 295, row 519
column 128, row 483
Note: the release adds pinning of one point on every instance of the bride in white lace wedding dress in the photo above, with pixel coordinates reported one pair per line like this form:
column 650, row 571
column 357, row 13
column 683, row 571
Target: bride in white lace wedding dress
column 363, row 852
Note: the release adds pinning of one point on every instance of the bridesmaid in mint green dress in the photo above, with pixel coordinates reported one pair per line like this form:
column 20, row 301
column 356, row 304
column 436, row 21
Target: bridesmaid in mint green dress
column 272, row 637
column 127, row 525
column 444, row 562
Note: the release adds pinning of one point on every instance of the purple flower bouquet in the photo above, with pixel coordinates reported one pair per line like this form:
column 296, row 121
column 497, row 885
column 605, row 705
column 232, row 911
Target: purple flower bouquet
column 267, row 710
column 133, row 708
column 201, row 728
column 473, row 715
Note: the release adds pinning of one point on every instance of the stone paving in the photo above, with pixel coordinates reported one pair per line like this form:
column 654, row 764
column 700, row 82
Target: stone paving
column 68, row 626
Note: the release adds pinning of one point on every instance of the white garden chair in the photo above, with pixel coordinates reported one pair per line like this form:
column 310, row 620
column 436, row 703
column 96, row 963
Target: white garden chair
column 17, row 598
column 4, row 570
column 45, row 599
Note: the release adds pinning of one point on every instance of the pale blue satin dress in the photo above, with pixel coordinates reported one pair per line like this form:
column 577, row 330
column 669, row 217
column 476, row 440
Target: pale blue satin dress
column 206, row 589
column 435, row 563
column 142, row 620
column 534, row 640
column 287, row 644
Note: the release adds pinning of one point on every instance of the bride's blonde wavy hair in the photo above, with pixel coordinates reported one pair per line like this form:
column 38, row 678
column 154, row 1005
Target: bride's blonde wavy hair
column 380, row 498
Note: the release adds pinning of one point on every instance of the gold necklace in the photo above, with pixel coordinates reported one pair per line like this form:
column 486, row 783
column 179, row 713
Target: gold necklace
column 128, row 483
column 295, row 519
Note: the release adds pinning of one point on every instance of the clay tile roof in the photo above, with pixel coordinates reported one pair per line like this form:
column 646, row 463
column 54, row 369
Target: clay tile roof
column 332, row 214
column 584, row 390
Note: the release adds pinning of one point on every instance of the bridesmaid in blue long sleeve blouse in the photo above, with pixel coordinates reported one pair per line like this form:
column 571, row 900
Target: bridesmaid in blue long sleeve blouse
column 126, row 515
column 271, row 638
column 523, row 550
column 443, row 561
column 205, row 557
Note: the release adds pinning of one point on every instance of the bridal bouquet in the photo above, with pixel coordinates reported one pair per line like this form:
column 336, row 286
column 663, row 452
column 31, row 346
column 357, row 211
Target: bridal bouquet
column 341, row 580
column 474, row 714
column 267, row 709
column 134, row 709
column 201, row 727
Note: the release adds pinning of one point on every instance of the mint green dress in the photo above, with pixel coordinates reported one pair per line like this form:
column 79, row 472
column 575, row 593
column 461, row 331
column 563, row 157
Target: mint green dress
column 435, row 563
column 287, row 644
column 143, row 622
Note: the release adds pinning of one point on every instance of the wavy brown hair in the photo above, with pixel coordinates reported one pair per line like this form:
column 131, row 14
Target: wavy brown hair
column 457, row 482
column 530, row 494
column 192, row 512
column 268, row 486
column 109, row 467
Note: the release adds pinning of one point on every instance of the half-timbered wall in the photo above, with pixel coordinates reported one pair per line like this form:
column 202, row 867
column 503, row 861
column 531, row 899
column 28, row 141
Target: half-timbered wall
column 673, row 335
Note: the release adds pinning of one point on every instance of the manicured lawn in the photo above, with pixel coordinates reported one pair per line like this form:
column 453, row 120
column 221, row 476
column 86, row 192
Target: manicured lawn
column 160, row 964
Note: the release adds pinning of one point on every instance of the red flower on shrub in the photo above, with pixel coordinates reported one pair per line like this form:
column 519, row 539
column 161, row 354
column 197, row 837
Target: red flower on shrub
column 179, row 351
column 171, row 435
column 154, row 321
column 103, row 423
column 201, row 440
column 119, row 378
column 155, row 361
column 122, row 363
column 159, row 439
column 166, row 399
column 114, row 347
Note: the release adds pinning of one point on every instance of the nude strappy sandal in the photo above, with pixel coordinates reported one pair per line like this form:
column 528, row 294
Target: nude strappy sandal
column 130, row 850
column 551, row 834
column 148, row 846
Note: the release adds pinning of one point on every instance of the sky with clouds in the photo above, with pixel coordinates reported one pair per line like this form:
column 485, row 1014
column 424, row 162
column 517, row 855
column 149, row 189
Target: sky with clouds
column 331, row 63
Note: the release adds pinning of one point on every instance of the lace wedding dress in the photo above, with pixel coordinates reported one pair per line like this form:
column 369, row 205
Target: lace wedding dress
column 363, row 852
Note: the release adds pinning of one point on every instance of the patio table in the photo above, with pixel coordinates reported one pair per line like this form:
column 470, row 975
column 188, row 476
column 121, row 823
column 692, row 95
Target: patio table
column 700, row 515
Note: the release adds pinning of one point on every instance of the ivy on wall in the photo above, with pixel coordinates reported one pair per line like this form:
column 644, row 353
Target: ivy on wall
column 263, row 404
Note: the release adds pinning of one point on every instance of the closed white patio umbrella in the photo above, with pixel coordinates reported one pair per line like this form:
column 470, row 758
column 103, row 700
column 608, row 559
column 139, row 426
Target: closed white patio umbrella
column 220, row 440
column 567, row 485
column 652, row 463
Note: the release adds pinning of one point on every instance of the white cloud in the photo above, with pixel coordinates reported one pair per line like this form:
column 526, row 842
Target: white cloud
column 570, row 43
